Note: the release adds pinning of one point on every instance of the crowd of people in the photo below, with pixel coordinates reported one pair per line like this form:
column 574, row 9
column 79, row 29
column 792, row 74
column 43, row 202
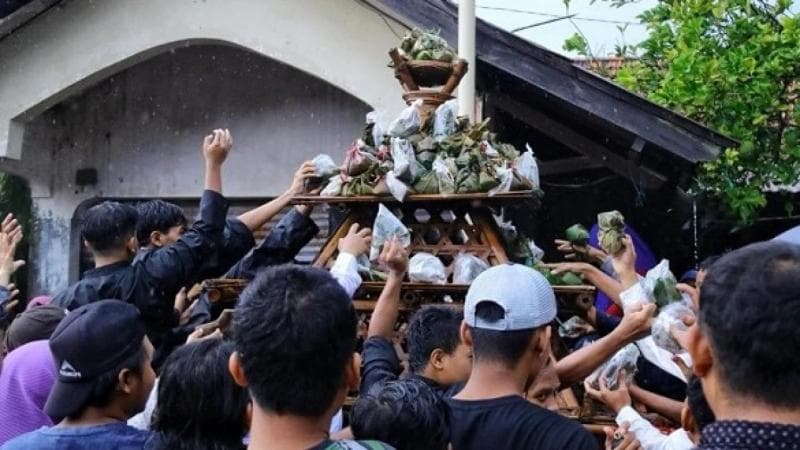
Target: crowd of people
column 129, row 357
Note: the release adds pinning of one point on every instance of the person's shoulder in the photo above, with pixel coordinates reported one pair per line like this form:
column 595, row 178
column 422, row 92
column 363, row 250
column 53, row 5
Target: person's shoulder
column 127, row 437
column 33, row 439
column 557, row 431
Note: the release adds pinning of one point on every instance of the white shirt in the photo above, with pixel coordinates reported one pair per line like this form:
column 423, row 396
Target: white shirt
column 649, row 436
column 345, row 270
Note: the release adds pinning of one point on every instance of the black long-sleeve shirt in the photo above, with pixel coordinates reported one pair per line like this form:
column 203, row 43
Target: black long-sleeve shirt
column 151, row 282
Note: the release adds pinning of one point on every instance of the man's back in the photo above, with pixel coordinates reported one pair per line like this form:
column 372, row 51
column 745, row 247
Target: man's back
column 115, row 435
column 512, row 423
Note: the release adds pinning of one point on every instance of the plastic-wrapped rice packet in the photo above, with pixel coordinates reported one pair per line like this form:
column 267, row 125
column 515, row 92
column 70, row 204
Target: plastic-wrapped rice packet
column 444, row 120
column 669, row 318
column 574, row 328
column 467, row 267
column 625, row 358
column 444, row 175
column 408, row 122
column 324, row 168
column 405, row 167
column 386, row 227
column 334, row 187
column 426, row 268
column 527, row 167
column 611, row 226
column 506, row 177
column 396, row 187
column 375, row 119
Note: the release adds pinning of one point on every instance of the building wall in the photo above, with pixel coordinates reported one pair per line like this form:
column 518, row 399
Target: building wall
column 142, row 129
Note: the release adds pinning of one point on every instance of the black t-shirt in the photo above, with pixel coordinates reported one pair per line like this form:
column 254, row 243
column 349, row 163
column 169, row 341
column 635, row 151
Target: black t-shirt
column 513, row 423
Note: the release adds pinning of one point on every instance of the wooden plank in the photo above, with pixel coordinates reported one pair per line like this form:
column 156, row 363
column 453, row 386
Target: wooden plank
column 369, row 305
column 575, row 141
column 414, row 198
column 568, row 165
column 377, row 286
column 486, row 224
column 332, row 245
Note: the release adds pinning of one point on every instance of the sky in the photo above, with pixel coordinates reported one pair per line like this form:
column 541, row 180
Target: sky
column 598, row 21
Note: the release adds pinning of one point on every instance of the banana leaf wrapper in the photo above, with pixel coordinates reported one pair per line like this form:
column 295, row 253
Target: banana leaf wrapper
column 665, row 292
column 468, row 181
column 577, row 235
column 612, row 230
column 486, row 181
column 428, row 183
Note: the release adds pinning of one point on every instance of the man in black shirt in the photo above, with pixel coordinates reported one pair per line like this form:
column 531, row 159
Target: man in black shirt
column 507, row 313
column 152, row 282
column 745, row 348
column 437, row 357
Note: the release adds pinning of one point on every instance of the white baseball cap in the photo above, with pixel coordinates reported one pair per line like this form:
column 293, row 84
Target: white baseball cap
column 524, row 294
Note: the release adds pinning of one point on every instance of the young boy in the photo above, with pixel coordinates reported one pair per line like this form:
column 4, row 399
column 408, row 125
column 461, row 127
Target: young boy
column 295, row 338
column 152, row 283
column 104, row 377
column 435, row 351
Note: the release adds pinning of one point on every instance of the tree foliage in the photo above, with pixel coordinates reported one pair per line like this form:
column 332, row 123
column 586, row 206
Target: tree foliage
column 733, row 65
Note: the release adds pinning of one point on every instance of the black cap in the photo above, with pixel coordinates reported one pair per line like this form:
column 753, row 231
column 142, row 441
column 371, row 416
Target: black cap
column 89, row 342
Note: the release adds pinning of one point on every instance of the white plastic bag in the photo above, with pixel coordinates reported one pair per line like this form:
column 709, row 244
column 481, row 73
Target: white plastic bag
column 405, row 167
column 625, row 358
column 445, row 177
column 334, row 187
column 426, row 268
column 467, row 267
column 324, row 166
column 489, row 151
column 574, row 328
column 396, row 187
column 376, row 118
column 386, row 227
column 659, row 284
column 670, row 318
column 408, row 122
column 536, row 253
column 506, row 177
column 527, row 167
column 444, row 120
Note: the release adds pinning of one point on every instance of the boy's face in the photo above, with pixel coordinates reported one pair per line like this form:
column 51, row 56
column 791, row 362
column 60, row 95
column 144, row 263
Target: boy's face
column 544, row 391
column 168, row 238
column 148, row 378
column 457, row 365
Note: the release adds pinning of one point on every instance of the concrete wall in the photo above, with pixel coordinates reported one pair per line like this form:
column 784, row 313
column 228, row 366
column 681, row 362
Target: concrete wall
column 80, row 42
column 142, row 129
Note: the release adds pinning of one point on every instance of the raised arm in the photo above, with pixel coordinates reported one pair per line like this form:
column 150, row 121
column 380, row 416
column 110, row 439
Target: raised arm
column 260, row 216
column 172, row 267
column 395, row 258
column 582, row 362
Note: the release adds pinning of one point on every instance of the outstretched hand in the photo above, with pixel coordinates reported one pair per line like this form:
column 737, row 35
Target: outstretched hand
column 621, row 438
column 637, row 321
column 307, row 170
column 10, row 237
column 357, row 241
column 216, row 146
column 395, row 257
column 616, row 399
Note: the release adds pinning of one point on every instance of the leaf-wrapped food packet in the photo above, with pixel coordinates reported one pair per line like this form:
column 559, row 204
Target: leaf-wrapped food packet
column 387, row 227
column 577, row 235
column 659, row 283
column 324, row 168
column 426, row 268
column 486, row 180
column 373, row 132
column 358, row 161
column 428, row 183
column 468, row 181
column 408, row 122
column 612, row 231
column 467, row 267
column 505, row 177
column 574, row 328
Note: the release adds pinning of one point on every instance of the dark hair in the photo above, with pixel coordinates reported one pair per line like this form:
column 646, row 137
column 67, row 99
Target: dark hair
column 199, row 404
column 708, row 261
column 295, row 331
column 108, row 226
column 702, row 413
column 506, row 347
column 157, row 215
column 105, row 384
column 406, row 414
column 746, row 303
column 430, row 328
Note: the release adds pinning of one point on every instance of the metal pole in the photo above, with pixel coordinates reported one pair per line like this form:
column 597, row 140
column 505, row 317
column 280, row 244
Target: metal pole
column 466, row 51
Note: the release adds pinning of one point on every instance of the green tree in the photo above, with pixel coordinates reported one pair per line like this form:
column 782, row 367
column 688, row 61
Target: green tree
column 733, row 65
